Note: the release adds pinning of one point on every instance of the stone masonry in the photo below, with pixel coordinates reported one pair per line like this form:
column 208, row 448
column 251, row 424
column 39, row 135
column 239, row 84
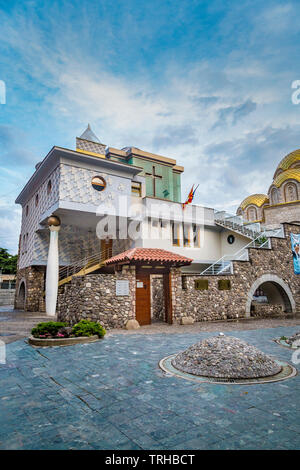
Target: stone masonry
column 275, row 264
column 33, row 278
column 94, row 297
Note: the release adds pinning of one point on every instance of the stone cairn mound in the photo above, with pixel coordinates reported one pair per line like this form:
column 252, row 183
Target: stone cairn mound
column 225, row 357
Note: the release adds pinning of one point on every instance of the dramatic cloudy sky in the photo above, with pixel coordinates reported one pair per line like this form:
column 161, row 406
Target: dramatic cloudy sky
column 205, row 82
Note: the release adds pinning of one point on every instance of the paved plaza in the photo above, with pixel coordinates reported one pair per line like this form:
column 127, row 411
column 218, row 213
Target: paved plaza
column 111, row 394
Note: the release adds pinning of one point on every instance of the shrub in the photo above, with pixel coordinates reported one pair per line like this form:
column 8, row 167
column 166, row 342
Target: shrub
column 88, row 328
column 49, row 328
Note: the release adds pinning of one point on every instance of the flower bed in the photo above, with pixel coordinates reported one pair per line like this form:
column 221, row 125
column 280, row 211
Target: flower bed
column 61, row 334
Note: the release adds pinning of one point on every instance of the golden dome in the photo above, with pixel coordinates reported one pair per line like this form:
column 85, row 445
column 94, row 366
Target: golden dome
column 291, row 174
column 288, row 160
column 257, row 199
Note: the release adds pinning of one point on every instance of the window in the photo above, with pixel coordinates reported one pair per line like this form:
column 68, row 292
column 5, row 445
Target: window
column 27, row 210
column 49, row 187
column 136, row 188
column 230, row 239
column 224, row 284
column 175, row 234
column 98, row 183
column 183, row 282
column 36, row 200
column 196, row 235
column 186, row 235
column 201, row 284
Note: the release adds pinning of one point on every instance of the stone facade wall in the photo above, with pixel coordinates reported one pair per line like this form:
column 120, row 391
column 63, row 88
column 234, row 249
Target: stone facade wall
column 157, row 298
column 266, row 310
column 274, row 215
column 94, row 297
column 214, row 304
column 34, row 280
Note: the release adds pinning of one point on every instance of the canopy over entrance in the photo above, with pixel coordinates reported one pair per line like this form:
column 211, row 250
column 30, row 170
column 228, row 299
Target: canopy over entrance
column 152, row 256
column 150, row 261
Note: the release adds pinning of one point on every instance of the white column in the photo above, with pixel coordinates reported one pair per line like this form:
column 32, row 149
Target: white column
column 52, row 272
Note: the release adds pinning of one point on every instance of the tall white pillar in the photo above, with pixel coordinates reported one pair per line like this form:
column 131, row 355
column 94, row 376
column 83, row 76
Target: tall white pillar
column 52, row 267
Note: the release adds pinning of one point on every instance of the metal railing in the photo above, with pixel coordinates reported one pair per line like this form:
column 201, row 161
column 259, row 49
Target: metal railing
column 224, row 265
column 84, row 263
column 235, row 222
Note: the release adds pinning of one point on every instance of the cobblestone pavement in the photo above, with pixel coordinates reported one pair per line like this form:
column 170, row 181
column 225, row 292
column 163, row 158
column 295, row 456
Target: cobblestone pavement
column 111, row 395
column 17, row 324
column 216, row 326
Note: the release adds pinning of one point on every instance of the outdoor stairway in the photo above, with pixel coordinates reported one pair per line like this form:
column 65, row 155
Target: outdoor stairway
column 224, row 265
column 82, row 267
column 235, row 223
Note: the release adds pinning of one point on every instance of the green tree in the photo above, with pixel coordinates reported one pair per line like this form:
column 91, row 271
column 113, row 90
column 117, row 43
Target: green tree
column 8, row 262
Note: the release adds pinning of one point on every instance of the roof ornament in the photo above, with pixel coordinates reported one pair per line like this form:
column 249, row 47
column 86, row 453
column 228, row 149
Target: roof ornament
column 88, row 134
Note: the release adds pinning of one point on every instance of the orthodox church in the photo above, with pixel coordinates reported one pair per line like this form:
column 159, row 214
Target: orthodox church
column 282, row 202
column 104, row 235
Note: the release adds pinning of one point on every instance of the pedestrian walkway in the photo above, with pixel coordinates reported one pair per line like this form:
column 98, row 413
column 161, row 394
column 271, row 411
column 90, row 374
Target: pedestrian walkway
column 112, row 395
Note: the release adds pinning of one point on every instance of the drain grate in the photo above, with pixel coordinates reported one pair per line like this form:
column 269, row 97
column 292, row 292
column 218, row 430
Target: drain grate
column 287, row 371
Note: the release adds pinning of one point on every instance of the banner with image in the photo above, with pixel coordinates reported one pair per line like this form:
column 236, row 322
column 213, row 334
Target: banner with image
column 295, row 239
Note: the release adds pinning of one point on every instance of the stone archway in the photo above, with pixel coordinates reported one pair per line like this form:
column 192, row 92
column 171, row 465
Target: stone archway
column 277, row 292
column 21, row 298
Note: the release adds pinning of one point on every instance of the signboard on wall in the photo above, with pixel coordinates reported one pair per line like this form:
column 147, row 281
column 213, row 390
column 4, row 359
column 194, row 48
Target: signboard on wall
column 122, row 287
column 295, row 240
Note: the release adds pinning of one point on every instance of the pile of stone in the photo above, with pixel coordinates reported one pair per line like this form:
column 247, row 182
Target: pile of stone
column 225, row 357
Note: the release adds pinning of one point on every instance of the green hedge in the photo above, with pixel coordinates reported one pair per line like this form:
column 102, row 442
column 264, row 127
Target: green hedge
column 54, row 329
column 49, row 328
column 88, row 328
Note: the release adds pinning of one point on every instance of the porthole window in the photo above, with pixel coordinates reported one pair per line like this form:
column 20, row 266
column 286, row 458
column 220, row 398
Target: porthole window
column 49, row 187
column 98, row 183
column 230, row 239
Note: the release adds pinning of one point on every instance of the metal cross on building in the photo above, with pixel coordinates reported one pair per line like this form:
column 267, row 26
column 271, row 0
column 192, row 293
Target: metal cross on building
column 153, row 175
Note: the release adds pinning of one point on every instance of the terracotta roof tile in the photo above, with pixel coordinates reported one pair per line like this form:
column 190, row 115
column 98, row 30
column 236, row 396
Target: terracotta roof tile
column 149, row 254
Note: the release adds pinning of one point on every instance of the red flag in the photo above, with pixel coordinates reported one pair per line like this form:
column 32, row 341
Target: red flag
column 190, row 196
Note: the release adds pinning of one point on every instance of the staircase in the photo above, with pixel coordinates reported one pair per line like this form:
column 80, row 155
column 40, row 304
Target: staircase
column 235, row 223
column 224, row 266
column 82, row 267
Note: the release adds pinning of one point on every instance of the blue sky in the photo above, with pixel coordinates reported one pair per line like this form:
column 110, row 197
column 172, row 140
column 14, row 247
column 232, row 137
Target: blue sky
column 205, row 82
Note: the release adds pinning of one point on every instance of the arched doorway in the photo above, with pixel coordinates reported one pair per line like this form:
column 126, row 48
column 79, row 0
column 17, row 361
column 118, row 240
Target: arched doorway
column 274, row 292
column 21, row 296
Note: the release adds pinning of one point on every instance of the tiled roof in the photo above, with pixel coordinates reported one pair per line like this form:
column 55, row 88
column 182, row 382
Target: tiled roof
column 153, row 255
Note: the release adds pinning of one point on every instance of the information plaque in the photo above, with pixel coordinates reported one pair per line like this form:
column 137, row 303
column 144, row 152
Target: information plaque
column 122, row 287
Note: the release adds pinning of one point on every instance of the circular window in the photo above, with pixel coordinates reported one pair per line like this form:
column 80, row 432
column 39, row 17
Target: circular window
column 230, row 239
column 98, row 183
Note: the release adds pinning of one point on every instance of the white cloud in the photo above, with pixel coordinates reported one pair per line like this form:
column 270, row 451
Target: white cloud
column 176, row 114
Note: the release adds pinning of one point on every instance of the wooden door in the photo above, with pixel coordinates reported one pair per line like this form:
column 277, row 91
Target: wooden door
column 106, row 249
column 143, row 309
column 168, row 299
